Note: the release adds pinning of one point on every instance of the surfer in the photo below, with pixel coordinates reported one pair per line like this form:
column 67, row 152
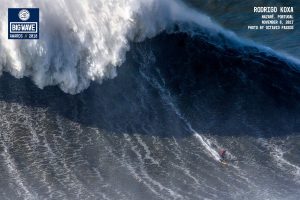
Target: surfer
column 222, row 154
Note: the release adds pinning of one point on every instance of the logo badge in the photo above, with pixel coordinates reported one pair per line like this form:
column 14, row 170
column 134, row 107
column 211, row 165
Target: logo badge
column 24, row 15
column 23, row 23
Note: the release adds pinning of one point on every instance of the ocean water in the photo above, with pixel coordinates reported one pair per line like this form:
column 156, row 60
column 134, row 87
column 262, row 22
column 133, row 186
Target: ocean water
column 135, row 99
column 237, row 15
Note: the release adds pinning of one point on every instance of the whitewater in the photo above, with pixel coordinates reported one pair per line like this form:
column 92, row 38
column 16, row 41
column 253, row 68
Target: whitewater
column 86, row 41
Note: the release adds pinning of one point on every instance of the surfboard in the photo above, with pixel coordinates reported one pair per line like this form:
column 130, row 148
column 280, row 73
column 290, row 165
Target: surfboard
column 224, row 163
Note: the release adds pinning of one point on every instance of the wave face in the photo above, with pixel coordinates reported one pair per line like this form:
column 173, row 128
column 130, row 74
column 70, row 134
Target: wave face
column 185, row 89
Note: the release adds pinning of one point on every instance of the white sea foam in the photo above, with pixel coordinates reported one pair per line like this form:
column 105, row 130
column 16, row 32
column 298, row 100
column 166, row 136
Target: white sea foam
column 278, row 154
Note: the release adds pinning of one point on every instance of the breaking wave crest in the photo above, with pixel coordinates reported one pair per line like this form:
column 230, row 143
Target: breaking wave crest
column 84, row 41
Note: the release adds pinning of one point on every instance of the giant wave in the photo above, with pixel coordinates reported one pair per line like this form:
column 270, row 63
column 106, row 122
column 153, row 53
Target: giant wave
column 185, row 89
